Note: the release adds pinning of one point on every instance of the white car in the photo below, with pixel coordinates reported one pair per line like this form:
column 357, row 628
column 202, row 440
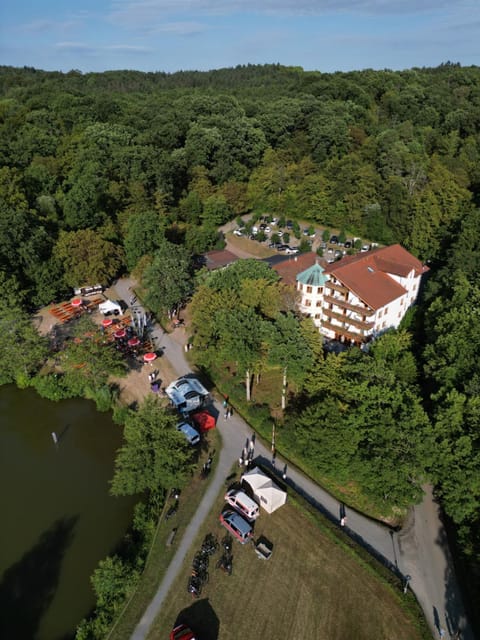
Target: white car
column 292, row 250
column 238, row 232
column 189, row 432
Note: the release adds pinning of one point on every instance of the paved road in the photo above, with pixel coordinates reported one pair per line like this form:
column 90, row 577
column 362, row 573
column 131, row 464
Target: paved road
column 419, row 550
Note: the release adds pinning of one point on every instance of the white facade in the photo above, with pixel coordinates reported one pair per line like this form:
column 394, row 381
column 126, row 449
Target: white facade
column 354, row 301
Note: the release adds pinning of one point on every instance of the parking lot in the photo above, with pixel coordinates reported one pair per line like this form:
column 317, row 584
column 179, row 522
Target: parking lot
column 291, row 237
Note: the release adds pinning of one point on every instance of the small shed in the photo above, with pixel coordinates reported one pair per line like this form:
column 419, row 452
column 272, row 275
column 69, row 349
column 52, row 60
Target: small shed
column 268, row 494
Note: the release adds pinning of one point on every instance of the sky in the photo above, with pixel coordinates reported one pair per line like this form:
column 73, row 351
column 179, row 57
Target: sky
column 173, row 35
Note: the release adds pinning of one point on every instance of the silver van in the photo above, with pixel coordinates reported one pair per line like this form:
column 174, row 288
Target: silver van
column 238, row 526
column 242, row 503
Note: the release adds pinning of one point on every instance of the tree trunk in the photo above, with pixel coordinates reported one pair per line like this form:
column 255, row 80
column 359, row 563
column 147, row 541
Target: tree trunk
column 248, row 384
column 284, row 389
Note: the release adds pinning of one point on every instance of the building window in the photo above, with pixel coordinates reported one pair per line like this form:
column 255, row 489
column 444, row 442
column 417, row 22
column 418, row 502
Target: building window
column 308, row 303
column 319, row 303
column 384, row 324
column 386, row 311
column 309, row 289
column 318, row 316
column 380, row 313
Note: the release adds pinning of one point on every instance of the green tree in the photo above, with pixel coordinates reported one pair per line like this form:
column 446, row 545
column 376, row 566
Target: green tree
column 87, row 258
column 289, row 349
column 145, row 233
column 155, row 454
column 22, row 350
column 88, row 363
column 167, row 280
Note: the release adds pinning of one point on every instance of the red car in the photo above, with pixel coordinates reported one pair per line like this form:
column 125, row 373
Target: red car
column 182, row 632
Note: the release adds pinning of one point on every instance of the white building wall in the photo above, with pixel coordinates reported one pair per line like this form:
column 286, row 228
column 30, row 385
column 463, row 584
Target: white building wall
column 391, row 314
column 311, row 301
column 312, row 304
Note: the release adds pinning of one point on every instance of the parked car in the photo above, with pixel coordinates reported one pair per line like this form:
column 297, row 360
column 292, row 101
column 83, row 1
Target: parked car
column 334, row 240
column 274, row 245
column 292, row 250
column 366, row 247
column 238, row 526
column 239, row 232
column 182, row 632
column 348, row 244
column 289, row 224
column 189, row 432
column 282, row 247
column 242, row 503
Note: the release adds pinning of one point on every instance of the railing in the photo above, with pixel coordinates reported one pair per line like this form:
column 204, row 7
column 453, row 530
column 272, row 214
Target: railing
column 363, row 311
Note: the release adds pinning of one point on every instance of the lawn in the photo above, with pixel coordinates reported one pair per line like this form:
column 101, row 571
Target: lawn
column 254, row 248
column 314, row 586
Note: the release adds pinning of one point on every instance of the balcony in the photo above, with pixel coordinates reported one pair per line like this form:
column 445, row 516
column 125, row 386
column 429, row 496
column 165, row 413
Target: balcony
column 340, row 331
column 336, row 287
column 362, row 311
column 346, row 320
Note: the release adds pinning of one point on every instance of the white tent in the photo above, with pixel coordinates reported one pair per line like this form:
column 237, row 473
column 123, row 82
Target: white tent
column 109, row 306
column 270, row 496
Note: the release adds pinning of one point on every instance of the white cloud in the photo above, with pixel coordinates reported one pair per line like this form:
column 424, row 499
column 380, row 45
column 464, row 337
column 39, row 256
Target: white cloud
column 41, row 26
column 180, row 28
column 140, row 9
column 88, row 49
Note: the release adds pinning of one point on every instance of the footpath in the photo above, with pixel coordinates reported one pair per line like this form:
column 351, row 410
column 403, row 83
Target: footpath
column 419, row 552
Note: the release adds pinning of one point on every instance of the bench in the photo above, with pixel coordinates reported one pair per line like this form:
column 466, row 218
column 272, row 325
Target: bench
column 171, row 537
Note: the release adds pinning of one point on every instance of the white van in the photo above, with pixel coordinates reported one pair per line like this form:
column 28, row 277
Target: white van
column 239, row 500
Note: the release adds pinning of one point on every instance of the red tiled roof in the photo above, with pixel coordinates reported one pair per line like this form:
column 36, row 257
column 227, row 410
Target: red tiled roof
column 289, row 268
column 366, row 274
column 219, row 258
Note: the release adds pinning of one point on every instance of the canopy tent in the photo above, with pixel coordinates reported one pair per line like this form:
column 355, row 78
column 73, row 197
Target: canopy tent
column 110, row 306
column 203, row 420
column 269, row 495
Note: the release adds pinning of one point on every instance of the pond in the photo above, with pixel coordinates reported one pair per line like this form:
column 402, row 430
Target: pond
column 57, row 517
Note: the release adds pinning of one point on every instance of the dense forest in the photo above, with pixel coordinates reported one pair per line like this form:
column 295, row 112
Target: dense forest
column 102, row 174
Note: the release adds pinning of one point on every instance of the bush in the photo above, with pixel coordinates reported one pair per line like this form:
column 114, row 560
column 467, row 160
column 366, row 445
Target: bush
column 52, row 387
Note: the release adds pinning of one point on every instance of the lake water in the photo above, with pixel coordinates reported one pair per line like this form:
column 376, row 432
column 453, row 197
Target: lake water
column 57, row 519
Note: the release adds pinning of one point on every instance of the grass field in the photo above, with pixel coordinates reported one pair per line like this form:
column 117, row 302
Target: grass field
column 314, row 587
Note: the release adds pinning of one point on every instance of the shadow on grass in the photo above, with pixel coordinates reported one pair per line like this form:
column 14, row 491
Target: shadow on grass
column 28, row 586
column 201, row 618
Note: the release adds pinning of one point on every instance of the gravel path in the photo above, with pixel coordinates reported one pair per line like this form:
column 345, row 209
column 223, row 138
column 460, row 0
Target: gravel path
column 419, row 550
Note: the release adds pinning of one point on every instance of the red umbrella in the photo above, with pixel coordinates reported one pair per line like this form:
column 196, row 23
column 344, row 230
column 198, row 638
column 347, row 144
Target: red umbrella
column 149, row 357
column 76, row 302
column 134, row 342
column 107, row 322
column 120, row 333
